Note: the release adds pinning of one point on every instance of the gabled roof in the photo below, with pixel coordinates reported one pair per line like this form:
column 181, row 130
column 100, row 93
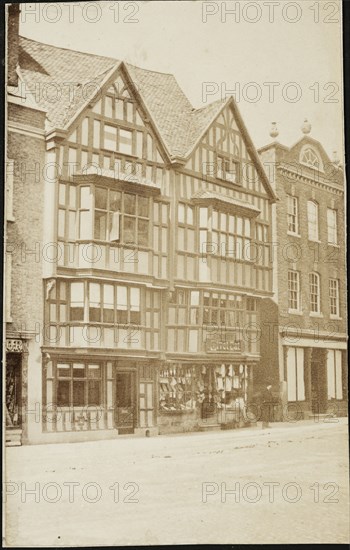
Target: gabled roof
column 63, row 81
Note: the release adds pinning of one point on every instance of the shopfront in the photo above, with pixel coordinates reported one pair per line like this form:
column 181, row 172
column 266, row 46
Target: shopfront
column 95, row 394
column 195, row 395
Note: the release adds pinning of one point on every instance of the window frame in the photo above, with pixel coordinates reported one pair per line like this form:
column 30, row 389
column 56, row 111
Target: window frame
column 315, row 222
column 332, row 230
column 336, row 298
column 295, row 214
column 86, row 379
column 222, row 172
column 314, row 283
column 298, row 294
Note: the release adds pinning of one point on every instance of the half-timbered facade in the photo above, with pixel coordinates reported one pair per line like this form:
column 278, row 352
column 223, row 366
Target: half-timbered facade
column 155, row 238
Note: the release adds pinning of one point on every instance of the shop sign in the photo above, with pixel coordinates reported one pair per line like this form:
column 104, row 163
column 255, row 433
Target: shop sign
column 220, row 345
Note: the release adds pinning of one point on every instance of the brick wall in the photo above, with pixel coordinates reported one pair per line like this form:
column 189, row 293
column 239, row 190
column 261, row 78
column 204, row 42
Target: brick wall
column 25, row 115
column 12, row 43
column 25, row 234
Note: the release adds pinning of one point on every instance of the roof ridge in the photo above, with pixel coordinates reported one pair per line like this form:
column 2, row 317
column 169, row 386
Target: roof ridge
column 68, row 49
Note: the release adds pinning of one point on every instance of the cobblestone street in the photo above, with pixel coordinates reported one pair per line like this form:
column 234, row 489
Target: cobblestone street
column 290, row 485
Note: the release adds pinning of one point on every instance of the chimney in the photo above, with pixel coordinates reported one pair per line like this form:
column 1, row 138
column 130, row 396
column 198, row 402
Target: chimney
column 12, row 43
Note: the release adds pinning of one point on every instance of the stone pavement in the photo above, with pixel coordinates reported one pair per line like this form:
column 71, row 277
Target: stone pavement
column 285, row 484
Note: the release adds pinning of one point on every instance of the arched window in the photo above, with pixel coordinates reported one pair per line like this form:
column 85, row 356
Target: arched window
column 314, row 285
column 309, row 157
column 312, row 219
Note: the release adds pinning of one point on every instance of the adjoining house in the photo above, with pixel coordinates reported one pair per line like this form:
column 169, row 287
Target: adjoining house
column 138, row 245
column 304, row 336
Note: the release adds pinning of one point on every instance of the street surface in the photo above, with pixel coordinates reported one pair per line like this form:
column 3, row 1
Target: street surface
column 290, row 483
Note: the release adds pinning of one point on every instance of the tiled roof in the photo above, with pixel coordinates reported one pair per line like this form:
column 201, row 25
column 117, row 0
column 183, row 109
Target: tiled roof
column 62, row 81
column 58, row 77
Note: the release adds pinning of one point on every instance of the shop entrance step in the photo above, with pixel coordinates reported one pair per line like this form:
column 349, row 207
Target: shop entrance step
column 13, row 437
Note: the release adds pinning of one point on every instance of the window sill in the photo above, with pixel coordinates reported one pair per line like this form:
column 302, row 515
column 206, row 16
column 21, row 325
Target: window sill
column 10, row 219
column 314, row 240
column 335, row 318
column 297, row 235
column 313, row 314
column 334, row 245
column 295, row 312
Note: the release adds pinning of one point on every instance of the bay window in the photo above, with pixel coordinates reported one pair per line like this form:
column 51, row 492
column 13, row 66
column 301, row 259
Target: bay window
column 117, row 216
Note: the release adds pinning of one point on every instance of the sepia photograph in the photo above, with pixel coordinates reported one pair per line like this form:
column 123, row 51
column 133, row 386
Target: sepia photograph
column 175, row 327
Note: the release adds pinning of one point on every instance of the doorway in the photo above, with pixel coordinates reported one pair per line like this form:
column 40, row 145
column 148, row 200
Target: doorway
column 125, row 409
column 318, row 389
column 13, row 390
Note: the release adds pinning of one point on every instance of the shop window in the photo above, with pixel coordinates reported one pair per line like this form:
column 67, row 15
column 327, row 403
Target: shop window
column 204, row 387
column 295, row 374
column 78, row 384
column 334, row 374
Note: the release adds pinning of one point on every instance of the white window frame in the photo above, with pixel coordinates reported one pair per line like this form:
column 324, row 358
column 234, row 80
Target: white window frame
column 298, row 308
column 336, row 286
column 334, row 375
column 315, row 281
column 293, row 204
column 295, row 374
column 332, row 226
column 313, row 224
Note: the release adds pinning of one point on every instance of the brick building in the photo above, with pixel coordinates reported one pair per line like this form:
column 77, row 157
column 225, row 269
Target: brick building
column 134, row 299
column 304, row 333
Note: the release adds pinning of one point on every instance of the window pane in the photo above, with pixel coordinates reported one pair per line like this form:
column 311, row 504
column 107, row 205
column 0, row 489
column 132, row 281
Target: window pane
column 125, row 141
column 110, row 137
column 100, row 225
column 63, row 399
column 143, row 232
column 134, row 298
column 94, row 392
column 78, row 393
column 130, row 204
column 85, row 197
column 101, row 198
column 181, row 213
column 143, row 206
column 85, row 225
column 63, row 370
column 62, row 194
column 115, row 201
column 129, row 230
column 122, row 297
column 78, row 370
